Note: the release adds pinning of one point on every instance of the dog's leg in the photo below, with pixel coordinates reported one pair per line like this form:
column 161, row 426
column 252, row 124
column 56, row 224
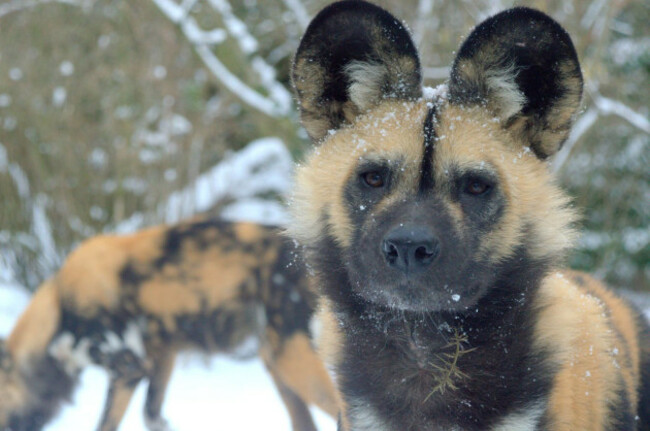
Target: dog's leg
column 162, row 371
column 120, row 392
column 300, row 374
column 301, row 419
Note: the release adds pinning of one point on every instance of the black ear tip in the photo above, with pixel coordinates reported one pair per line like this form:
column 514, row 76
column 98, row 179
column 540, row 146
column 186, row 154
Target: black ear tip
column 339, row 20
column 519, row 22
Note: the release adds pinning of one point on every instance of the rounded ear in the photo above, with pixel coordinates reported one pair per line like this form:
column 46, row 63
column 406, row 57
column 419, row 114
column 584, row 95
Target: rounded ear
column 353, row 55
column 521, row 65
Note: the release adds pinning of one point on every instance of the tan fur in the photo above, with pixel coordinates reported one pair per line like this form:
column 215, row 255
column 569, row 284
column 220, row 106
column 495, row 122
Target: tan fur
column 578, row 324
column 304, row 373
column 36, row 326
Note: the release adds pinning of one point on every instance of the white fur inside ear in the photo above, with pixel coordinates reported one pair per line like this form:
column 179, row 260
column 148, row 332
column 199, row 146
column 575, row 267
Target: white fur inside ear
column 366, row 82
column 508, row 100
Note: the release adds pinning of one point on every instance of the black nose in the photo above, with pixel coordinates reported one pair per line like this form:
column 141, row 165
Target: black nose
column 410, row 248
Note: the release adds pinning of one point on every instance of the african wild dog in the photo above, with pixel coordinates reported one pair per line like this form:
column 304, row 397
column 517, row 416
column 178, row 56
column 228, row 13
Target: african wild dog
column 130, row 303
column 438, row 234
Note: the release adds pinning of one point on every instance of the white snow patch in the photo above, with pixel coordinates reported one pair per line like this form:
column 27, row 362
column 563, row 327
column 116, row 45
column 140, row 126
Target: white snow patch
column 432, row 93
column 59, row 95
column 16, row 74
column 66, row 68
column 256, row 210
column 13, row 300
column 159, row 72
column 5, row 100
column 199, row 397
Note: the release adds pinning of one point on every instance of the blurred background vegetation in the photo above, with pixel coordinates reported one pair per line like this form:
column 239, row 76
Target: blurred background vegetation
column 108, row 106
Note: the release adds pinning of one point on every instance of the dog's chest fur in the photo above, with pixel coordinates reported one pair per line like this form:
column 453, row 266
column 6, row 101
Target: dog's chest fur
column 428, row 373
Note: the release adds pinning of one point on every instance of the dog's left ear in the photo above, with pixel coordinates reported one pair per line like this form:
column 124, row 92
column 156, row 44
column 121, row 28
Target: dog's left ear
column 353, row 55
column 521, row 65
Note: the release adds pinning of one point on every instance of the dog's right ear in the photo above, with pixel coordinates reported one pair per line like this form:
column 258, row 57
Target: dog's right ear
column 353, row 55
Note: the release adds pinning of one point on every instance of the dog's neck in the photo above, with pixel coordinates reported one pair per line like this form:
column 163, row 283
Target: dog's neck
column 422, row 360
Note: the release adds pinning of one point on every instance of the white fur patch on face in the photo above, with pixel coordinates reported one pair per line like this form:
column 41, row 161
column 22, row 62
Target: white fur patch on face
column 505, row 91
column 366, row 83
column 73, row 359
column 525, row 419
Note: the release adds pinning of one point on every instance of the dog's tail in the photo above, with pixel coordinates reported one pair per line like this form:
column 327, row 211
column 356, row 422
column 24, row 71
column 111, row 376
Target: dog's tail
column 35, row 328
column 33, row 385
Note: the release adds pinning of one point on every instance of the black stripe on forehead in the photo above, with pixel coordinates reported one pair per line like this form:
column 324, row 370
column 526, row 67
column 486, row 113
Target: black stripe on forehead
column 426, row 170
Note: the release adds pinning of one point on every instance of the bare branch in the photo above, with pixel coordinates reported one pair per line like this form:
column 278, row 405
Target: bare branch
column 17, row 5
column 237, row 86
column 602, row 106
column 278, row 103
column 581, row 127
column 425, row 8
column 608, row 106
column 235, row 26
column 299, row 12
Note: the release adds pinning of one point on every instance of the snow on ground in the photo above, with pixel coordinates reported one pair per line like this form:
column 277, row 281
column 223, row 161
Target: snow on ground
column 205, row 393
column 222, row 394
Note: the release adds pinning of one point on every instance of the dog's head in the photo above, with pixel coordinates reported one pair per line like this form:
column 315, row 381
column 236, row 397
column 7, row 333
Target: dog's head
column 423, row 198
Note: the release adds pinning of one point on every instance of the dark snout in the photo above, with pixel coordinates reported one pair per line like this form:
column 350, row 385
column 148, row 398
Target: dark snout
column 410, row 248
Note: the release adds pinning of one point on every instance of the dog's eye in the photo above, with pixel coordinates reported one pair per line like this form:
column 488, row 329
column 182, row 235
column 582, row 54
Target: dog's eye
column 477, row 187
column 373, row 179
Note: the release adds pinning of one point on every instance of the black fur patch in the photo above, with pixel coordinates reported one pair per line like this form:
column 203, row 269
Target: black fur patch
column 426, row 170
column 50, row 384
column 621, row 412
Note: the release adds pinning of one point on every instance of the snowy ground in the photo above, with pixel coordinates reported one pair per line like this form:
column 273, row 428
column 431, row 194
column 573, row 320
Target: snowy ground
column 204, row 393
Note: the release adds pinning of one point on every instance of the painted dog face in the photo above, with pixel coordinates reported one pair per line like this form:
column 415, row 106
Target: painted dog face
column 422, row 197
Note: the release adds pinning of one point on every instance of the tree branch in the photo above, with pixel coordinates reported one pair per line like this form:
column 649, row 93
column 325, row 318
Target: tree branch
column 279, row 101
column 17, row 5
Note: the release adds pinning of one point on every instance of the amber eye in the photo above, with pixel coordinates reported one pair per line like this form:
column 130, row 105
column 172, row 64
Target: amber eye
column 476, row 187
column 373, row 179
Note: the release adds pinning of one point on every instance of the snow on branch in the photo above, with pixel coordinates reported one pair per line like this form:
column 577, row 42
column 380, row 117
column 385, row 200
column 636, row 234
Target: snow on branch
column 425, row 9
column 263, row 166
column 299, row 12
column 602, row 106
column 16, row 5
column 581, row 126
column 278, row 103
column 608, row 106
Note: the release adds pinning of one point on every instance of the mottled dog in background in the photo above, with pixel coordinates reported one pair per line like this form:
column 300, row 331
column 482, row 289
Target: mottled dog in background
column 130, row 303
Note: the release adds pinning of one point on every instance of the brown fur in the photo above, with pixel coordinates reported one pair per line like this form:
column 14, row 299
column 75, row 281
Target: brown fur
column 130, row 303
